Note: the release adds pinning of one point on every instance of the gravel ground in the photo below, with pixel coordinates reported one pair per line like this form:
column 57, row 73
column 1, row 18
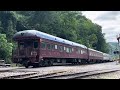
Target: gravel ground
column 73, row 69
column 68, row 69
column 9, row 68
column 5, row 74
column 113, row 75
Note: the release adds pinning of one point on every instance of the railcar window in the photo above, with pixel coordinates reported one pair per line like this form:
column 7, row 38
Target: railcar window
column 43, row 45
column 52, row 46
column 21, row 45
column 61, row 48
column 55, row 46
column 64, row 48
column 35, row 44
column 82, row 52
column 28, row 44
column 72, row 49
column 79, row 51
column 90, row 54
column 67, row 50
column 49, row 46
column 58, row 47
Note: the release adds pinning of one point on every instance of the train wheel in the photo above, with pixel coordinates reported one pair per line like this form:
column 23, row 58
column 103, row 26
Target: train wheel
column 50, row 63
column 26, row 66
column 35, row 65
column 40, row 64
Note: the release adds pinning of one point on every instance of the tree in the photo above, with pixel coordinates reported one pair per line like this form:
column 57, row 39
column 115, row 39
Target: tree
column 5, row 48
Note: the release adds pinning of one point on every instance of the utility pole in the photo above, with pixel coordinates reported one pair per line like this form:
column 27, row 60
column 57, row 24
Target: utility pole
column 118, row 38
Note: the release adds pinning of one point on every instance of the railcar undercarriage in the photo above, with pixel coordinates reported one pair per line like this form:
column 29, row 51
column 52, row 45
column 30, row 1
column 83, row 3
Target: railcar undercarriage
column 57, row 61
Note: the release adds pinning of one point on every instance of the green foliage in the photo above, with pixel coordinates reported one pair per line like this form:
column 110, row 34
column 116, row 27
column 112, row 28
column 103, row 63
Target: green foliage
column 70, row 25
column 5, row 48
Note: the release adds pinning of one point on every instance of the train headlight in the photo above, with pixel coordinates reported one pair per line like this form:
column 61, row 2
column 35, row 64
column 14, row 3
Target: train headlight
column 34, row 53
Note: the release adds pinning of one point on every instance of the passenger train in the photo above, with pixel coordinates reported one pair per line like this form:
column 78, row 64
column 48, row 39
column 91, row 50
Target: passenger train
column 37, row 48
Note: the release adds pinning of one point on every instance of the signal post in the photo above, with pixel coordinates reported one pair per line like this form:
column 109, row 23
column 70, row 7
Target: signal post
column 118, row 38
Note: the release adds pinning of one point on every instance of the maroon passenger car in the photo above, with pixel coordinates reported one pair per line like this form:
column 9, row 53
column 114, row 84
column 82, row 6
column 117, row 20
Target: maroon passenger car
column 40, row 49
column 95, row 56
column 37, row 48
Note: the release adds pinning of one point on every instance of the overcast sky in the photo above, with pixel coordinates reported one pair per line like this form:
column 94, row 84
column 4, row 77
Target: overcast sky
column 109, row 20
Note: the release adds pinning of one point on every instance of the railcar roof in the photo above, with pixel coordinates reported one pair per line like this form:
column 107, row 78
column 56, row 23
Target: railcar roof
column 94, row 50
column 106, row 54
column 40, row 34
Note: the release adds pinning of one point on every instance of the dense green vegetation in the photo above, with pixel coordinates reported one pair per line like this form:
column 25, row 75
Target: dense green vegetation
column 5, row 48
column 70, row 25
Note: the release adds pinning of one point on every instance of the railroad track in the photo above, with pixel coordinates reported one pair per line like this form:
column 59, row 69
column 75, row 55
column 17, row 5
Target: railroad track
column 75, row 75
column 64, row 74
column 38, row 75
column 59, row 75
column 31, row 75
column 18, row 76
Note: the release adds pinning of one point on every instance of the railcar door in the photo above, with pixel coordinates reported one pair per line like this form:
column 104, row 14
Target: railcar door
column 28, row 48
